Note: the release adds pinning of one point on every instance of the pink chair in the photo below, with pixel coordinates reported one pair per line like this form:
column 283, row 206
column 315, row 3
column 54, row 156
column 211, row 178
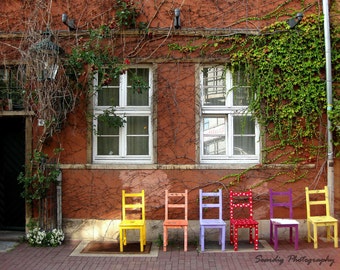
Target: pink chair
column 241, row 201
column 174, row 201
column 282, row 200
column 207, row 206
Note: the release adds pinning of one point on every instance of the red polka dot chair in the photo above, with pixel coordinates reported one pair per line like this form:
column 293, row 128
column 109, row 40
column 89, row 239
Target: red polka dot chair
column 241, row 216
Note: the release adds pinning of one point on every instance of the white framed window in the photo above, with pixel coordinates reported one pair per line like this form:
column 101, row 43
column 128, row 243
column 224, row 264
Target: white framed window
column 12, row 79
column 228, row 133
column 132, row 142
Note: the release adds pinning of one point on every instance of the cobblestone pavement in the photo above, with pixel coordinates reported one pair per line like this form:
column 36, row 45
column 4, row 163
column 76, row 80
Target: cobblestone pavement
column 25, row 257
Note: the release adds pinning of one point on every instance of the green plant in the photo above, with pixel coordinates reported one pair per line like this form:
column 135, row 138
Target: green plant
column 159, row 241
column 109, row 118
column 285, row 68
column 126, row 14
column 37, row 237
column 334, row 117
column 38, row 178
column 94, row 57
column 139, row 85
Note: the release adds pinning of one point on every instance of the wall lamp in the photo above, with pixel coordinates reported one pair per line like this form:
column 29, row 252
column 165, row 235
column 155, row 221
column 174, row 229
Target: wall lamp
column 69, row 22
column 177, row 20
column 295, row 21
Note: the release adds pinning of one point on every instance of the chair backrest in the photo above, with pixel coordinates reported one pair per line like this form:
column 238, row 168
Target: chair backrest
column 281, row 199
column 175, row 201
column 241, row 200
column 133, row 206
column 313, row 198
column 207, row 201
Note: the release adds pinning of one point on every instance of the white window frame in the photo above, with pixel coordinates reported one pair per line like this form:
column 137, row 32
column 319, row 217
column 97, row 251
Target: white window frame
column 227, row 111
column 124, row 111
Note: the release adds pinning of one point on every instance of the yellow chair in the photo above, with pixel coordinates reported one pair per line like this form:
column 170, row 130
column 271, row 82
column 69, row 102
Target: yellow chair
column 133, row 217
column 313, row 199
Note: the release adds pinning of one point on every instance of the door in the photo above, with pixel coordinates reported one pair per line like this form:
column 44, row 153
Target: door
column 12, row 160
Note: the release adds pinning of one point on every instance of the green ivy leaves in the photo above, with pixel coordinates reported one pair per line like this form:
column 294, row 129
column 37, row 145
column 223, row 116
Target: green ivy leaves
column 286, row 70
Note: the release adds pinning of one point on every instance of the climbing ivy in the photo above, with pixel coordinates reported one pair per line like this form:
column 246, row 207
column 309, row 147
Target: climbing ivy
column 286, row 73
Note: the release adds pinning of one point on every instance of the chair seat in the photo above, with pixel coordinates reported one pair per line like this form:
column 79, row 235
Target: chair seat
column 244, row 222
column 322, row 219
column 212, row 222
column 284, row 221
column 175, row 222
column 132, row 223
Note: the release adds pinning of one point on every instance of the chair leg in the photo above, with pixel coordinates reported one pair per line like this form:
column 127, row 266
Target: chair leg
column 144, row 235
column 296, row 236
column 141, row 232
column 251, row 235
column 308, row 232
column 276, row 240
column 220, row 236
column 231, row 234
column 271, row 232
column 202, row 238
column 336, row 234
column 235, row 238
column 185, row 238
column 291, row 235
column 256, row 237
column 315, row 235
column 121, row 240
column 165, row 238
column 223, row 239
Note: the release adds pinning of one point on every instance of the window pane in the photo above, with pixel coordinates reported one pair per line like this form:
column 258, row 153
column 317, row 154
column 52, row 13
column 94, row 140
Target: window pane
column 139, row 78
column 214, row 91
column 11, row 80
column 240, row 89
column 244, row 145
column 244, row 125
column 241, row 96
column 105, row 129
column 108, row 146
column 137, row 125
column 138, row 135
column 109, row 95
column 244, row 135
column 138, row 145
column 214, row 136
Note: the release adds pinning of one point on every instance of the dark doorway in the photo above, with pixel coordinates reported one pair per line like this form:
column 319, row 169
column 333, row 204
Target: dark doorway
column 12, row 160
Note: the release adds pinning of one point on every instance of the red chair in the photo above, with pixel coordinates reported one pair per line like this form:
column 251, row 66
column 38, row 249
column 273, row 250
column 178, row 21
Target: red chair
column 280, row 200
column 240, row 201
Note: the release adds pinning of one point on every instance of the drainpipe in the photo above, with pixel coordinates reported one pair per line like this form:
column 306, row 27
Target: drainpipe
column 330, row 160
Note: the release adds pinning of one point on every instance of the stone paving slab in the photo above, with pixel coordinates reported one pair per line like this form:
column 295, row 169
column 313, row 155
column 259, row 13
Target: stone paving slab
column 7, row 245
column 26, row 257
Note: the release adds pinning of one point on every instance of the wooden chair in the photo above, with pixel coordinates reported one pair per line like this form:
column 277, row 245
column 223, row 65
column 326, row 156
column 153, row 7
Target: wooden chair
column 280, row 200
column 325, row 220
column 240, row 201
column 133, row 217
column 175, row 201
column 207, row 206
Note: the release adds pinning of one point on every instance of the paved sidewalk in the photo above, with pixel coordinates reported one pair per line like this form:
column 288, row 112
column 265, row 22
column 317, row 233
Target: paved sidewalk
column 25, row 257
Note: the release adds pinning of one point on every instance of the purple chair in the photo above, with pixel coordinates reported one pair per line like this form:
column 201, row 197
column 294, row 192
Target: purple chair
column 209, row 200
column 282, row 200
